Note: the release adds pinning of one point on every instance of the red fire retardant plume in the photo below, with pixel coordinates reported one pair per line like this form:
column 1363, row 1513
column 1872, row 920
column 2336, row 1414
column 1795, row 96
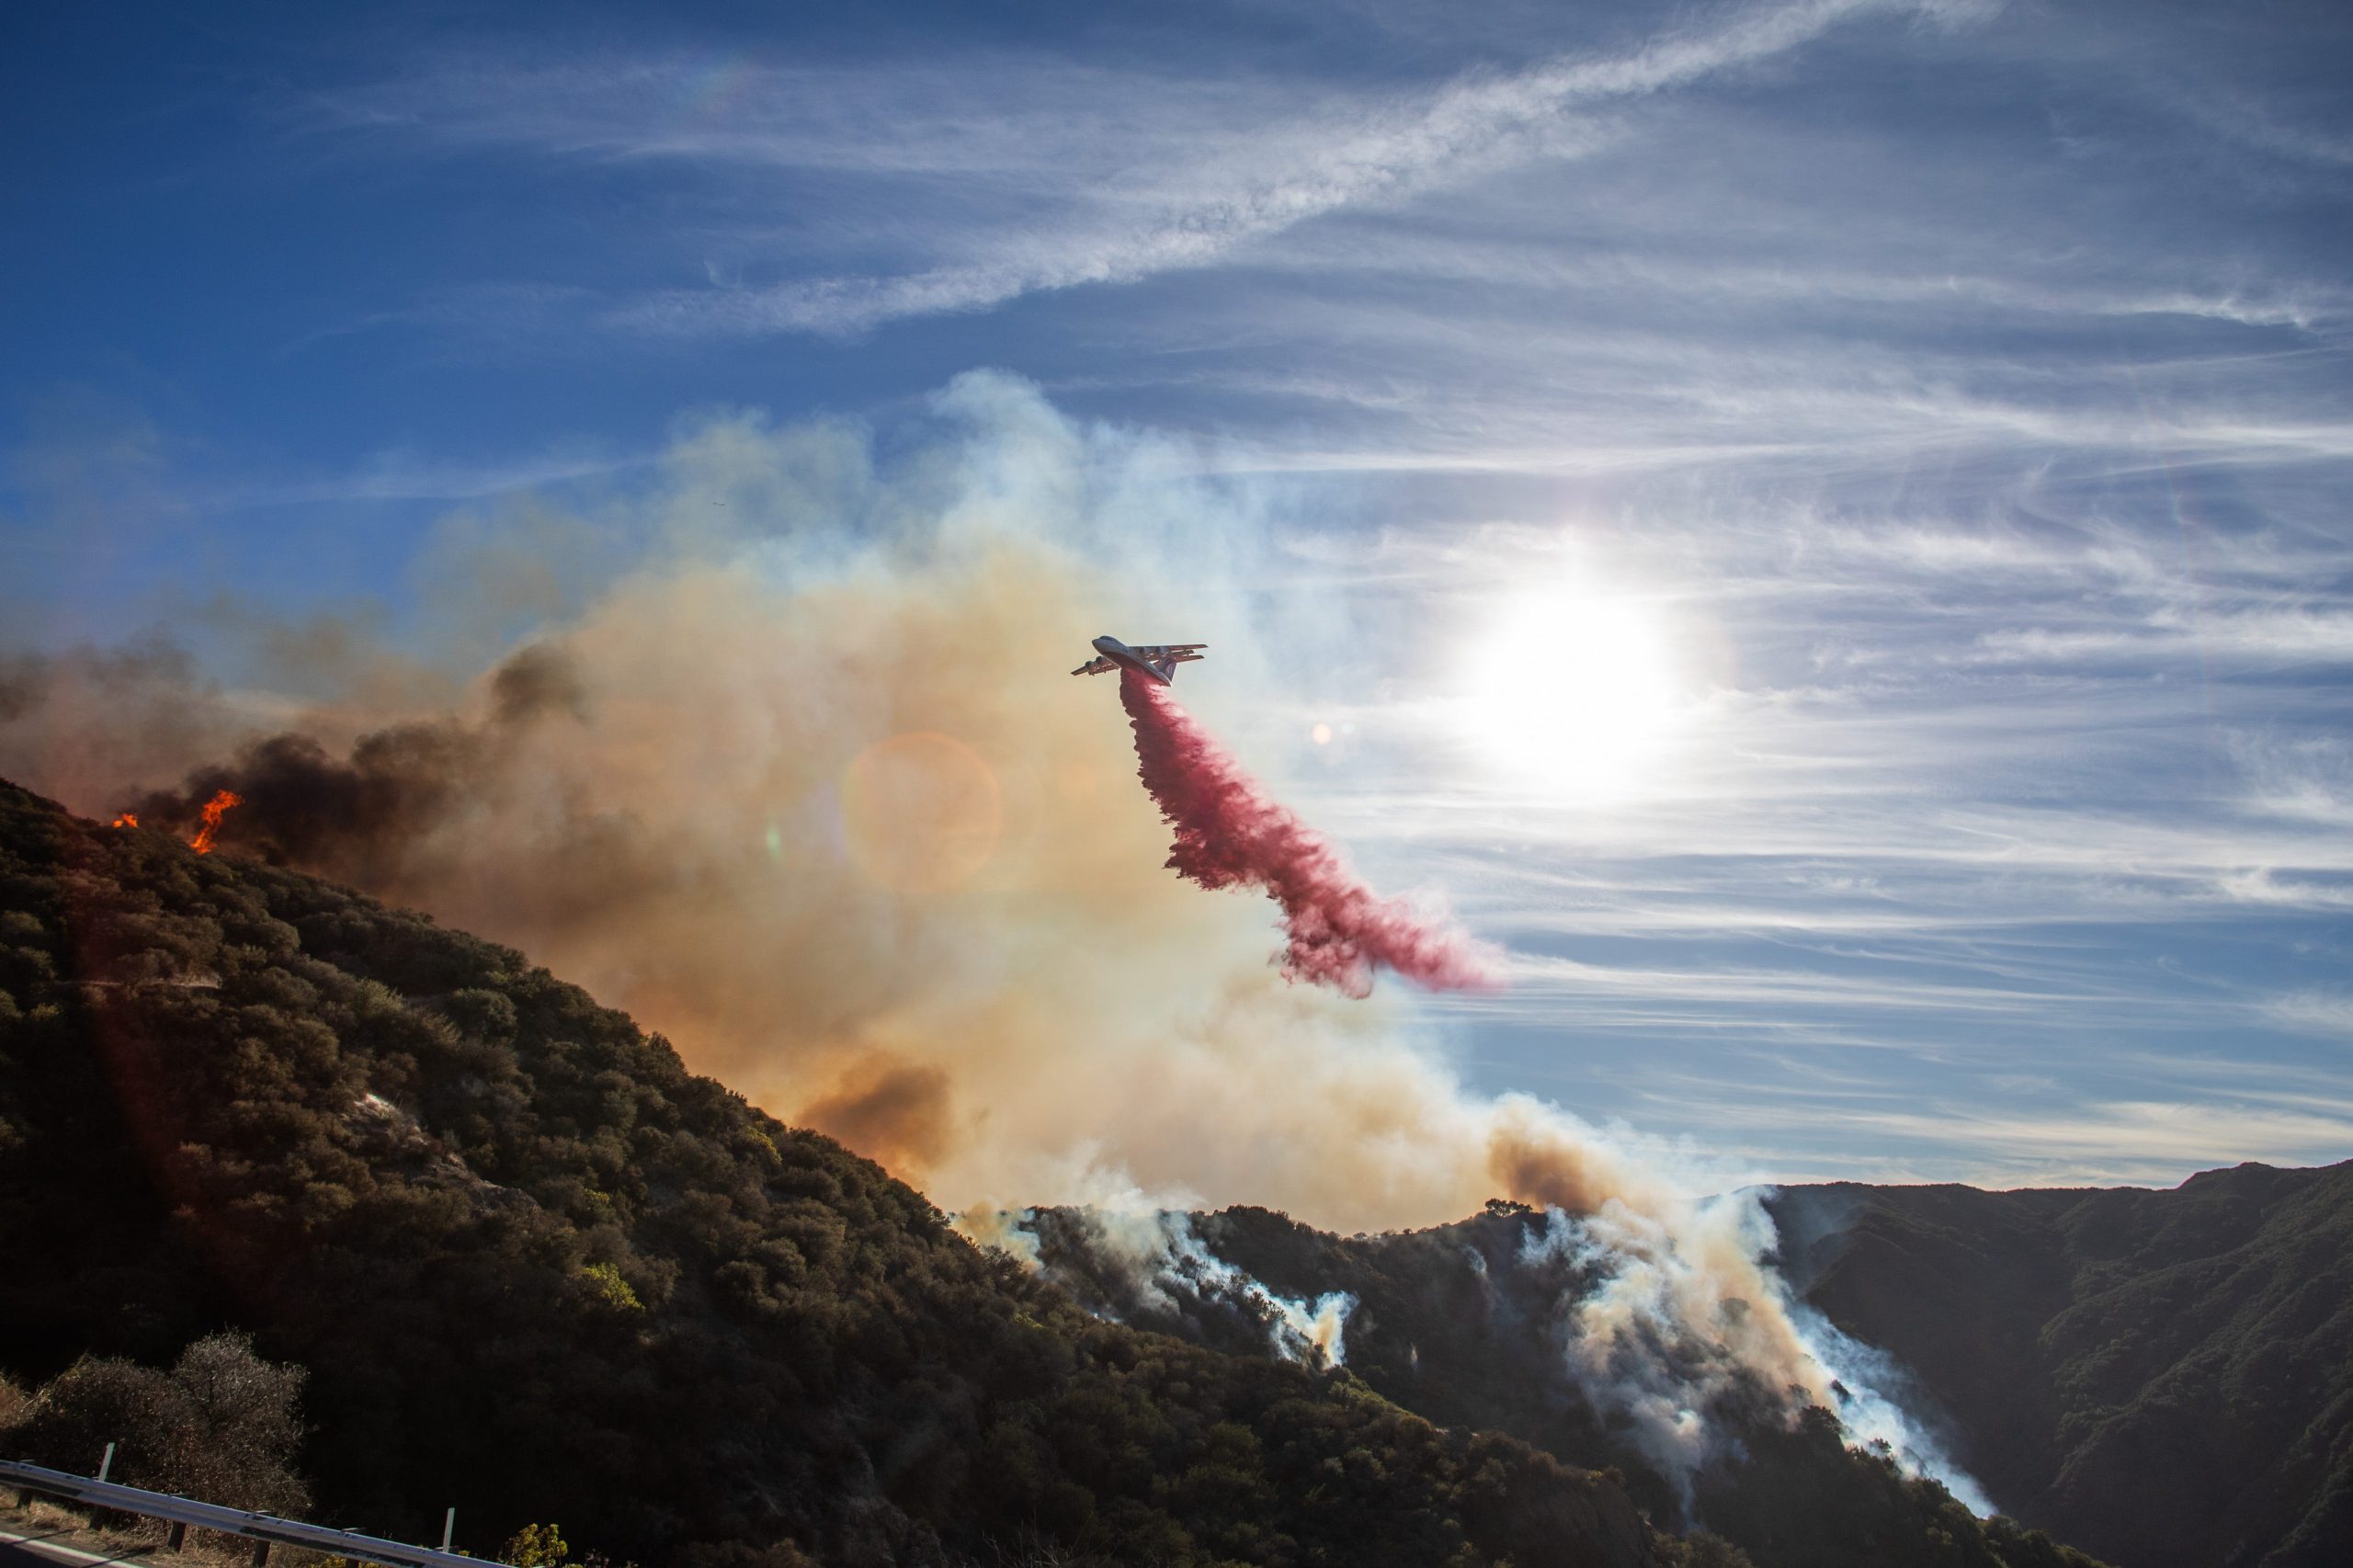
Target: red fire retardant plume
column 1230, row 835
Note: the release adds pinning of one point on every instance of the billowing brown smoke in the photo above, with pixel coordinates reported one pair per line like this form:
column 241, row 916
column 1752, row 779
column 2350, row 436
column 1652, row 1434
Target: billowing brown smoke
column 819, row 802
column 359, row 817
column 892, row 1112
column 858, row 847
column 95, row 727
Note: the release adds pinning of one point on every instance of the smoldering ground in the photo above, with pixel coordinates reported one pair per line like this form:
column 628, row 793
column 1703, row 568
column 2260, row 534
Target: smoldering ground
column 807, row 790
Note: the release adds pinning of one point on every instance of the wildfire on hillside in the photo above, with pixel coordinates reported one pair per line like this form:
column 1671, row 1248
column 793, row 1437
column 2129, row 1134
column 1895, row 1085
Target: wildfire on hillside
column 214, row 809
column 127, row 819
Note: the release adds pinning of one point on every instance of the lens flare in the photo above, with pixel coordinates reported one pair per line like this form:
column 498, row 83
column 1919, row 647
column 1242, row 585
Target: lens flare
column 922, row 811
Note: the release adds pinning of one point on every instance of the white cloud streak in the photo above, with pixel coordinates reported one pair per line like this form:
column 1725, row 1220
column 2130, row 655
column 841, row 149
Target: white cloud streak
column 1192, row 190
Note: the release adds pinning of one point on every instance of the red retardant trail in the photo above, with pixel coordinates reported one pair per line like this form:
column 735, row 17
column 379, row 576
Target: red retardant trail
column 1230, row 835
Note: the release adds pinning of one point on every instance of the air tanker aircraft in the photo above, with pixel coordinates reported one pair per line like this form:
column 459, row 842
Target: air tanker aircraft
column 1156, row 660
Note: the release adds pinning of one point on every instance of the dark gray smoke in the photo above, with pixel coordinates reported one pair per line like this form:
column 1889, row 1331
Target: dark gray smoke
column 359, row 818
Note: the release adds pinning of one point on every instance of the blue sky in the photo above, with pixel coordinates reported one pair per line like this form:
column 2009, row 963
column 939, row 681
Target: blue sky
column 1948, row 405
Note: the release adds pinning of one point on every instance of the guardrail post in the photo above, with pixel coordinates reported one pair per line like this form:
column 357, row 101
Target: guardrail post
column 449, row 1527
column 261, row 1554
column 178, row 1534
column 106, row 1463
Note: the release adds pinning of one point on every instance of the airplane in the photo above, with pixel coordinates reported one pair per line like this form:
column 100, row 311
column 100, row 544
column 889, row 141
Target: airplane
column 1156, row 660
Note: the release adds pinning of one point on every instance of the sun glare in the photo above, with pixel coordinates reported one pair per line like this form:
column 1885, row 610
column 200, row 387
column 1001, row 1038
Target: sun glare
column 1575, row 690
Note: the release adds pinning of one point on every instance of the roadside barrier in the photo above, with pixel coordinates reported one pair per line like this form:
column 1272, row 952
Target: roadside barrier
column 263, row 1529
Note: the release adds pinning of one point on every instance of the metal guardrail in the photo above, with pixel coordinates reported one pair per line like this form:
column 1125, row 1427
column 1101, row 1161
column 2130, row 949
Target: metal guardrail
column 264, row 1529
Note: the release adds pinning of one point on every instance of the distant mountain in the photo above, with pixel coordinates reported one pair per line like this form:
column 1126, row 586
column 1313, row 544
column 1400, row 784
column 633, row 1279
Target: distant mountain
column 536, row 1269
column 1462, row 1323
column 2165, row 1377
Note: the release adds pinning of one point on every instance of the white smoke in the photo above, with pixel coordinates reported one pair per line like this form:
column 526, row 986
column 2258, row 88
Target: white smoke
column 1872, row 1417
column 1652, row 1336
column 1162, row 1258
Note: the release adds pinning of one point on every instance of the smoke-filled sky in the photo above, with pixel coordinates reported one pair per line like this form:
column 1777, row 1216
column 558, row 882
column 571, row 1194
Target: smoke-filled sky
column 1819, row 528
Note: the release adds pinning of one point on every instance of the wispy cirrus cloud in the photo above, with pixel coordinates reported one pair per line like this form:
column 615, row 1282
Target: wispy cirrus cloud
column 2328, row 1014
column 1107, row 181
column 2101, row 1143
column 1986, row 791
column 1652, row 258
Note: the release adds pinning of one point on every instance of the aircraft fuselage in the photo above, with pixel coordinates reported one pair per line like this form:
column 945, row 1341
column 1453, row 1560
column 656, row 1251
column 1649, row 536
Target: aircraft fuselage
column 1154, row 661
column 1126, row 658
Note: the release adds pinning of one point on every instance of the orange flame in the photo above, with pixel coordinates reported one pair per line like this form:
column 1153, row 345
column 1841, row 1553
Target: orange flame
column 128, row 819
column 214, row 809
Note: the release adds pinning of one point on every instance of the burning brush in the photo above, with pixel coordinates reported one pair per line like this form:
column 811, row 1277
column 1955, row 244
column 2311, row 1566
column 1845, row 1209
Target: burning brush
column 214, row 809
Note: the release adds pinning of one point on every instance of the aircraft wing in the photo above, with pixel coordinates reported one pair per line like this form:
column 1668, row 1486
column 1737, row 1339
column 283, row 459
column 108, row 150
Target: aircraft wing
column 1181, row 651
column 1095, row 667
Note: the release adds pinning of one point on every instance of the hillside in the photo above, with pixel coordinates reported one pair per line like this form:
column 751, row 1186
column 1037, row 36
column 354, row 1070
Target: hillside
column 1462, row 1324
column 2164, row 1377
column 536, row 1269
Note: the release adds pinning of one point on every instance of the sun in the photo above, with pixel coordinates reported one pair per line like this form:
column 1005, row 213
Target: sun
column 1572, row 689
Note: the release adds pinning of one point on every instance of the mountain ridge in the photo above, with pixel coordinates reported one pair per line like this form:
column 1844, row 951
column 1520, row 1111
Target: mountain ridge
column 2190, row 1348
column 536, row 1267
column 2162, row 1376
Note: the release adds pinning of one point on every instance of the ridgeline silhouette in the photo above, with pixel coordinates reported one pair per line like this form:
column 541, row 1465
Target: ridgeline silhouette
column 518, row 1259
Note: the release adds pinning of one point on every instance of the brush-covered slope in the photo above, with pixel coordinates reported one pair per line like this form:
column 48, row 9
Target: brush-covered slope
column 2161, row 1378
column 538, row 1271
column 2164, row 1377
column 1462, row 1323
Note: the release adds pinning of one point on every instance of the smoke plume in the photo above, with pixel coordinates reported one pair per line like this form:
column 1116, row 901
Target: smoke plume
column 1129, row 1257
column 1674, row 1317
column 92, row 726
column 1231, row 834
column 808, row 791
